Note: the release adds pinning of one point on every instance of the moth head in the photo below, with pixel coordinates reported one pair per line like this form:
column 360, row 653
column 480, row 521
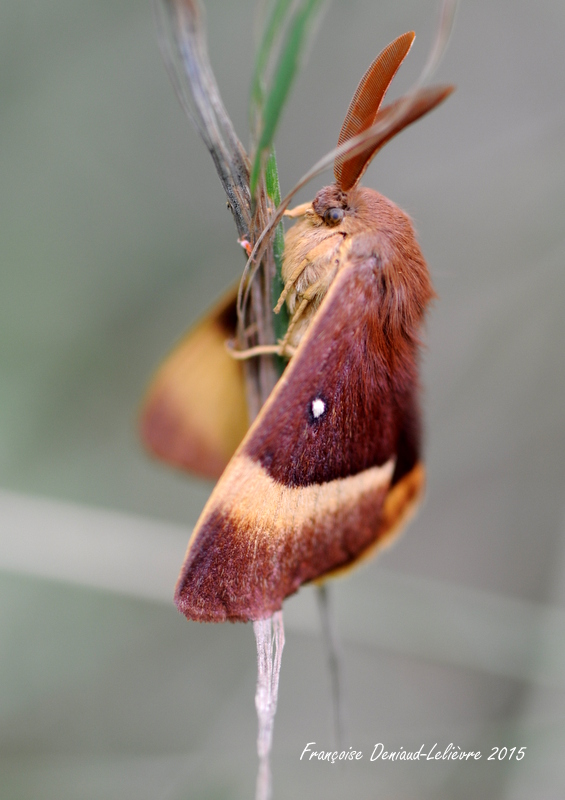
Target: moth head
column 330, row 206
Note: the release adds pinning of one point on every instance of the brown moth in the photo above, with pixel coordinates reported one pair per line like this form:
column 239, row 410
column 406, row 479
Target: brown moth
column 330, row 469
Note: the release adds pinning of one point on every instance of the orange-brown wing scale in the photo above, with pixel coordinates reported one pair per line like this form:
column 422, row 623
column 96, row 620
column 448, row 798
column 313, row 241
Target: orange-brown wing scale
column 330, row 467
column 195, row 413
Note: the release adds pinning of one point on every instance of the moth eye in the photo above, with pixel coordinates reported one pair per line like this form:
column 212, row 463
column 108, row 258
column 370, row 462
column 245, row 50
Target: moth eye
column 333, row 216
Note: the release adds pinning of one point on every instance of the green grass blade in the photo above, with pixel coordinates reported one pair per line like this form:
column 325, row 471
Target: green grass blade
column 280, row 320
column 264, row 54
column 283, row 77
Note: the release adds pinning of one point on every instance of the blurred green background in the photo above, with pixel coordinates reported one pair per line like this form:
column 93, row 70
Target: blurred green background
column 114, row 238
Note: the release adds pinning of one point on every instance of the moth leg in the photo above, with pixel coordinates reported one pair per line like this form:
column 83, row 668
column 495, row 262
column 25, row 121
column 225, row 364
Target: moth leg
column 260, row 350
column 293, row 277
column 316, row 252
column 318, row 287
column 298, row 211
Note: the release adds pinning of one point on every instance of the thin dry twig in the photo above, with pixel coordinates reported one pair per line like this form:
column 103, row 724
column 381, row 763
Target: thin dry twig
column 269, row 634
column 182, row 38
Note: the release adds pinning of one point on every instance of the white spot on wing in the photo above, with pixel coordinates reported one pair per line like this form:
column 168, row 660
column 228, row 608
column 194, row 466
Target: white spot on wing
column 318, row 407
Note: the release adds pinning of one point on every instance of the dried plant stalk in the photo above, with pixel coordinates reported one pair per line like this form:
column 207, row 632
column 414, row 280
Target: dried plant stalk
column 182, row 40
column 269, row 635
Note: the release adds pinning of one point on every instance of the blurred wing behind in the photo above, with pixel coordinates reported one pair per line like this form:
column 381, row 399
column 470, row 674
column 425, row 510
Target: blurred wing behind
column 195, row 413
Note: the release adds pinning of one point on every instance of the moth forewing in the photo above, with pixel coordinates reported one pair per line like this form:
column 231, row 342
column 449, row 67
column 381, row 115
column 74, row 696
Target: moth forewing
column 330, row 467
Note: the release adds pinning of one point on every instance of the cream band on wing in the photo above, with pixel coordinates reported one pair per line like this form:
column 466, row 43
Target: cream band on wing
column 247, row 481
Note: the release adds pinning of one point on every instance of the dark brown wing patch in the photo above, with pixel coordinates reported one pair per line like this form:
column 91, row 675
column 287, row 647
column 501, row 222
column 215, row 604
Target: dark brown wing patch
column 341, row 368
